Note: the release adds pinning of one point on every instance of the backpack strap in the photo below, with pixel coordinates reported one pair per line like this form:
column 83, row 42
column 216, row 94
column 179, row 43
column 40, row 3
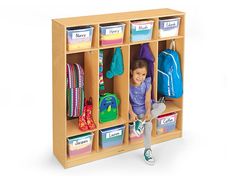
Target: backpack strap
column 172, row 45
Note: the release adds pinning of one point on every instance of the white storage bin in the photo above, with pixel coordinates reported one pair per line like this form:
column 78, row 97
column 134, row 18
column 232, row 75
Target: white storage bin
column 169, row 27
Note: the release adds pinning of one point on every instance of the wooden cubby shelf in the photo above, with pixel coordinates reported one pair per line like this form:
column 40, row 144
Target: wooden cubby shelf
column 65, row 127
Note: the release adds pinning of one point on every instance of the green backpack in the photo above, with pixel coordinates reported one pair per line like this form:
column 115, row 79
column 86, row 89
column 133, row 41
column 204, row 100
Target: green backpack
column 108, row 107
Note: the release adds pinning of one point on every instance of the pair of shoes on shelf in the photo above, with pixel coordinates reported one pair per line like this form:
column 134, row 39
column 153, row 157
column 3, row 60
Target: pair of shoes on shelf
column 138, row 127
column 86, row 121
column 148, row 157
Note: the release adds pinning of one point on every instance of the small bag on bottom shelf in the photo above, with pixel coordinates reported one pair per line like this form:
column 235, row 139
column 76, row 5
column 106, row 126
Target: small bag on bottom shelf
column 166, row 123
column 79, row 145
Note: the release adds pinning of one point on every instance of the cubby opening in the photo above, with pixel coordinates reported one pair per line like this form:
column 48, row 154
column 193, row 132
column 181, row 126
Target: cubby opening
column 142, row 30
column 81, row 38
column 94, row 147
column 170, row 27
column 117, row 85
column 113, row 34
column 134, row 54
column 89, row 62
column 112, row 137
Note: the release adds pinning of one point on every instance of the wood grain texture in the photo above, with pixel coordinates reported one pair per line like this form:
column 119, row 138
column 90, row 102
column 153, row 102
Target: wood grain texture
column 89, row 60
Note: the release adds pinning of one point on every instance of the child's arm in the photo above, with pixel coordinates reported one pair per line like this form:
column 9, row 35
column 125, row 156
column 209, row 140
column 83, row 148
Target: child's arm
column 148, row 104
column 133, row 116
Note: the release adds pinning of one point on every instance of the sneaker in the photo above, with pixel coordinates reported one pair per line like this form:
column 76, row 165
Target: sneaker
column 148, row 157
column 138, row 128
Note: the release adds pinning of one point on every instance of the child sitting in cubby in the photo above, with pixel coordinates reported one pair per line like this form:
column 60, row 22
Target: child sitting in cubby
column 142, row 109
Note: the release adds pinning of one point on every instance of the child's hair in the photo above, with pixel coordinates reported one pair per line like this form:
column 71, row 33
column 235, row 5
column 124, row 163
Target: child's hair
column 139, row 63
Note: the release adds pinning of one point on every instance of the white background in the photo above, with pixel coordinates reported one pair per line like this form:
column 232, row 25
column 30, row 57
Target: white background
column 208, row 144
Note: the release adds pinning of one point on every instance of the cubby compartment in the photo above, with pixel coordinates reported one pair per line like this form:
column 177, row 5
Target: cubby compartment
column 81, row 37
column 112, row 33
column 174, row 44
column 141, row 30
column 166, row 123
column 80, row 144
column 89, row 63
column 169, row 26
column 116, row 84
column 113, row 136
column 135, row 53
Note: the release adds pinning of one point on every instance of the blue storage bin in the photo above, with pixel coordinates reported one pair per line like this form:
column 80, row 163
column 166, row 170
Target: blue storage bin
column 141, row 30
column 110, row 137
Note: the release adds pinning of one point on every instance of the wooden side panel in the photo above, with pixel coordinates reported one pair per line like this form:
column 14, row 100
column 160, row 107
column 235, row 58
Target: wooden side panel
column 121, row 85
column 91, row 70
column 59, row 91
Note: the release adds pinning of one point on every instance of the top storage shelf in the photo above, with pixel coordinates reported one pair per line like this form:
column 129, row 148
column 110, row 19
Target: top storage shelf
column 115, row 17
column 109, row 35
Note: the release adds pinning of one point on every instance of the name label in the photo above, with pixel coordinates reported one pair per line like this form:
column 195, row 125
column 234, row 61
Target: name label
column 170, row 24
column 167, row 120
column 143, row 27
column 114, row 134
column 80, row 35
column 81, row 142
column 114, row 31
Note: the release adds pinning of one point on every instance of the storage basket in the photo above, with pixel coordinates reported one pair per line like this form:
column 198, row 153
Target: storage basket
column 111, row 34
column 79, row 38
column 141, row 30
column 111, row 136
column 169, row 27
column 166, row 123
column 79, row 145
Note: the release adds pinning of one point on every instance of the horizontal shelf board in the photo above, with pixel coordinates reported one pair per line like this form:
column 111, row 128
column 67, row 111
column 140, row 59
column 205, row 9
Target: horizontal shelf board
column 113, row 123
column 79, row 157
column 113, row 46
column 167, row 136
column 170, row 38
column 115, row 17
column 170, row 107
column 142, row 42
column 73, row 129
column 82, row 50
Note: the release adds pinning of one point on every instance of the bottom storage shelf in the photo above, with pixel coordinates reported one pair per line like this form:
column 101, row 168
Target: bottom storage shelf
column 103, row 153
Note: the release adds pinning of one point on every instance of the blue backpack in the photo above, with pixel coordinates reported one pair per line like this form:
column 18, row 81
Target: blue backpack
column 170, row 82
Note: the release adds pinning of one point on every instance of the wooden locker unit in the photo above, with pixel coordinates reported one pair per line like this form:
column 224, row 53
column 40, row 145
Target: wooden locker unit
column 89, row 60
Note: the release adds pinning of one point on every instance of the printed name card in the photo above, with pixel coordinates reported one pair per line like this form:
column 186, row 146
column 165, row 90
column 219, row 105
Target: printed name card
column 143, row 27
column 114, row 134
column 114, row 30
column 170, row 24
column 84, row 141
column 80, row 35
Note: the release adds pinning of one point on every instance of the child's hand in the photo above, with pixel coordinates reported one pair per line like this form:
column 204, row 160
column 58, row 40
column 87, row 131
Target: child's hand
column 133, row 116
column 147, row 116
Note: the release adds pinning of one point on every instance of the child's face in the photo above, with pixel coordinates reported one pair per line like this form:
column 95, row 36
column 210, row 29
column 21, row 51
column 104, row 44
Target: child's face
column 139, row 75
